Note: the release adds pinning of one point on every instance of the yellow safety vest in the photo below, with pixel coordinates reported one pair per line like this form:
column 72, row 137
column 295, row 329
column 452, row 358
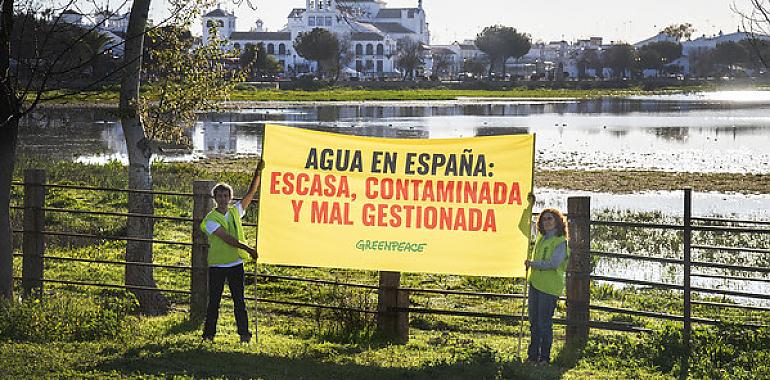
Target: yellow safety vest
column 549, row 281
column 219, row 251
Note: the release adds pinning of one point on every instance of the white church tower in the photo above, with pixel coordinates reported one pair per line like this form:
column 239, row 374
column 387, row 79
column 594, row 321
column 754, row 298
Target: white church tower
column 219, row 19
column 321, row 14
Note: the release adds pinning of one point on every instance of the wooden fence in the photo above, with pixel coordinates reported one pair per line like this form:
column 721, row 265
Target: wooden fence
column 393, row 306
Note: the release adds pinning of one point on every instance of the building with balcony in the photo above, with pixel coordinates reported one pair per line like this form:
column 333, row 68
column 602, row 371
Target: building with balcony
column 371, row 29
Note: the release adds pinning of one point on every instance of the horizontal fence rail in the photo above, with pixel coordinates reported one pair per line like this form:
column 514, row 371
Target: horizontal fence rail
column 731, row 249
column 736, row 221
column 610, row 223
column 730, row 305
column 680, row 262
column 135, row 191
column 636, row 257
column 743, row 230
column 109, row 213
column 662, row 285
column 671, row 317
column 102, row 285
column 126, row 238
column 314, row 281
column 735, row 278
column 111, row 189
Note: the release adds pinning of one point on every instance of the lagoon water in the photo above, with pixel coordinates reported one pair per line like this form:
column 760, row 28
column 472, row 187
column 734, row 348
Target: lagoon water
column 714, row 132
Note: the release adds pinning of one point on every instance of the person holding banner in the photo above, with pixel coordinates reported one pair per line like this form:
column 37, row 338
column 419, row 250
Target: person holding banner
column 546, row 282
column 227, row 250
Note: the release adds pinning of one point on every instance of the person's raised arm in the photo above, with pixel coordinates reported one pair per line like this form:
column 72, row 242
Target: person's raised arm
column 252, row 188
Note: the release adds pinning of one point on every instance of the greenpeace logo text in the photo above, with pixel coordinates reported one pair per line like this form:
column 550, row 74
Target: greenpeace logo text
column 390, row 246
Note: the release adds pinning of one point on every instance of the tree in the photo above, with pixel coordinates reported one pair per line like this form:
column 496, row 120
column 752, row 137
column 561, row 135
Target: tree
column 756, row 49
column 63, row 64
column 730, row 54
column 318, row 45
column 477, row 67
column 668, row 51
column 442, row 62
column 11, row 110
column 658, row 54
column 191, row 80
column 408, row 57
column 517, row 45
column 502, row 42
column 140, row 150
column 590, row 59
column 491, row 42
column 680, row 31
column 61, row 55
column 756, row 23
column 247, row 60
column 650, row 59
column 340, row 60
column 185, row 79
column 619, row 58
column 257, row 64
column 157, row 42
column 701, row 62
column 76, row 54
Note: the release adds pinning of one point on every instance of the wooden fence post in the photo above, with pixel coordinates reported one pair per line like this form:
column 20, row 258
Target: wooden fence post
column 202, row 204
column 392, row 325
column 33, row 244
column 579, row 271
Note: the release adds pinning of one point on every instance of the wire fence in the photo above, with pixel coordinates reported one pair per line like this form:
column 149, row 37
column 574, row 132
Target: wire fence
column 606, row 313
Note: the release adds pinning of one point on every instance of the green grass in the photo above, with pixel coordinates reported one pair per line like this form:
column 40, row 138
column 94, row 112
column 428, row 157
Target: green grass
column 347, row 94
column 39, row 340
column 615, row 181
column 358, row 94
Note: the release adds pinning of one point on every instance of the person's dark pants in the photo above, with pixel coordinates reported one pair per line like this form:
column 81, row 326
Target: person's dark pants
column 234, row 277
column 541, row 308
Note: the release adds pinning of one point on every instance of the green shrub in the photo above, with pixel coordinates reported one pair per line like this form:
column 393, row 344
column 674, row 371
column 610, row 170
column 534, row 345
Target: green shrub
column 718, row 352
column 68, row 318
column 346, row 324
column 245, row 87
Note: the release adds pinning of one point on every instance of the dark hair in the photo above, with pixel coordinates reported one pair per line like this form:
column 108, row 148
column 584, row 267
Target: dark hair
column 221, row 187
column 561, row 222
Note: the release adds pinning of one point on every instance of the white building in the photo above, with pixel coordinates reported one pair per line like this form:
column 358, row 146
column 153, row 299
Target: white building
column 452, row 54
column 372, row 29
column 700, row 44
column 72, row 17
column 113, row 25
column 112, row 21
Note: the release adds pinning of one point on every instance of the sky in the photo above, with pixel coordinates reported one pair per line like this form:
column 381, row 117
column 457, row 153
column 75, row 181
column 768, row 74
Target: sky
column 546, row 20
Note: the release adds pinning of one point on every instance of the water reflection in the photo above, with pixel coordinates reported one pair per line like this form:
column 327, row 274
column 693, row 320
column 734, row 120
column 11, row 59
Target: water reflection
column 672, row 134
column 675, row 133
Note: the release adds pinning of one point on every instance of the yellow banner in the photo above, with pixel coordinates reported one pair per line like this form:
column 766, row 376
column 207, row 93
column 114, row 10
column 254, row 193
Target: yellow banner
column 453, row 206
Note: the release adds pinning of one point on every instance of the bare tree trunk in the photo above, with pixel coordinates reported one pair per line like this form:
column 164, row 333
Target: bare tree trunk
column 8, row 138
column 9, row 130
column 152, row 302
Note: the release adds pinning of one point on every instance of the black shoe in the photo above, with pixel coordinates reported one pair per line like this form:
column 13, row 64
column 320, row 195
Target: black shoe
column 245, row 339
column 208, row 338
